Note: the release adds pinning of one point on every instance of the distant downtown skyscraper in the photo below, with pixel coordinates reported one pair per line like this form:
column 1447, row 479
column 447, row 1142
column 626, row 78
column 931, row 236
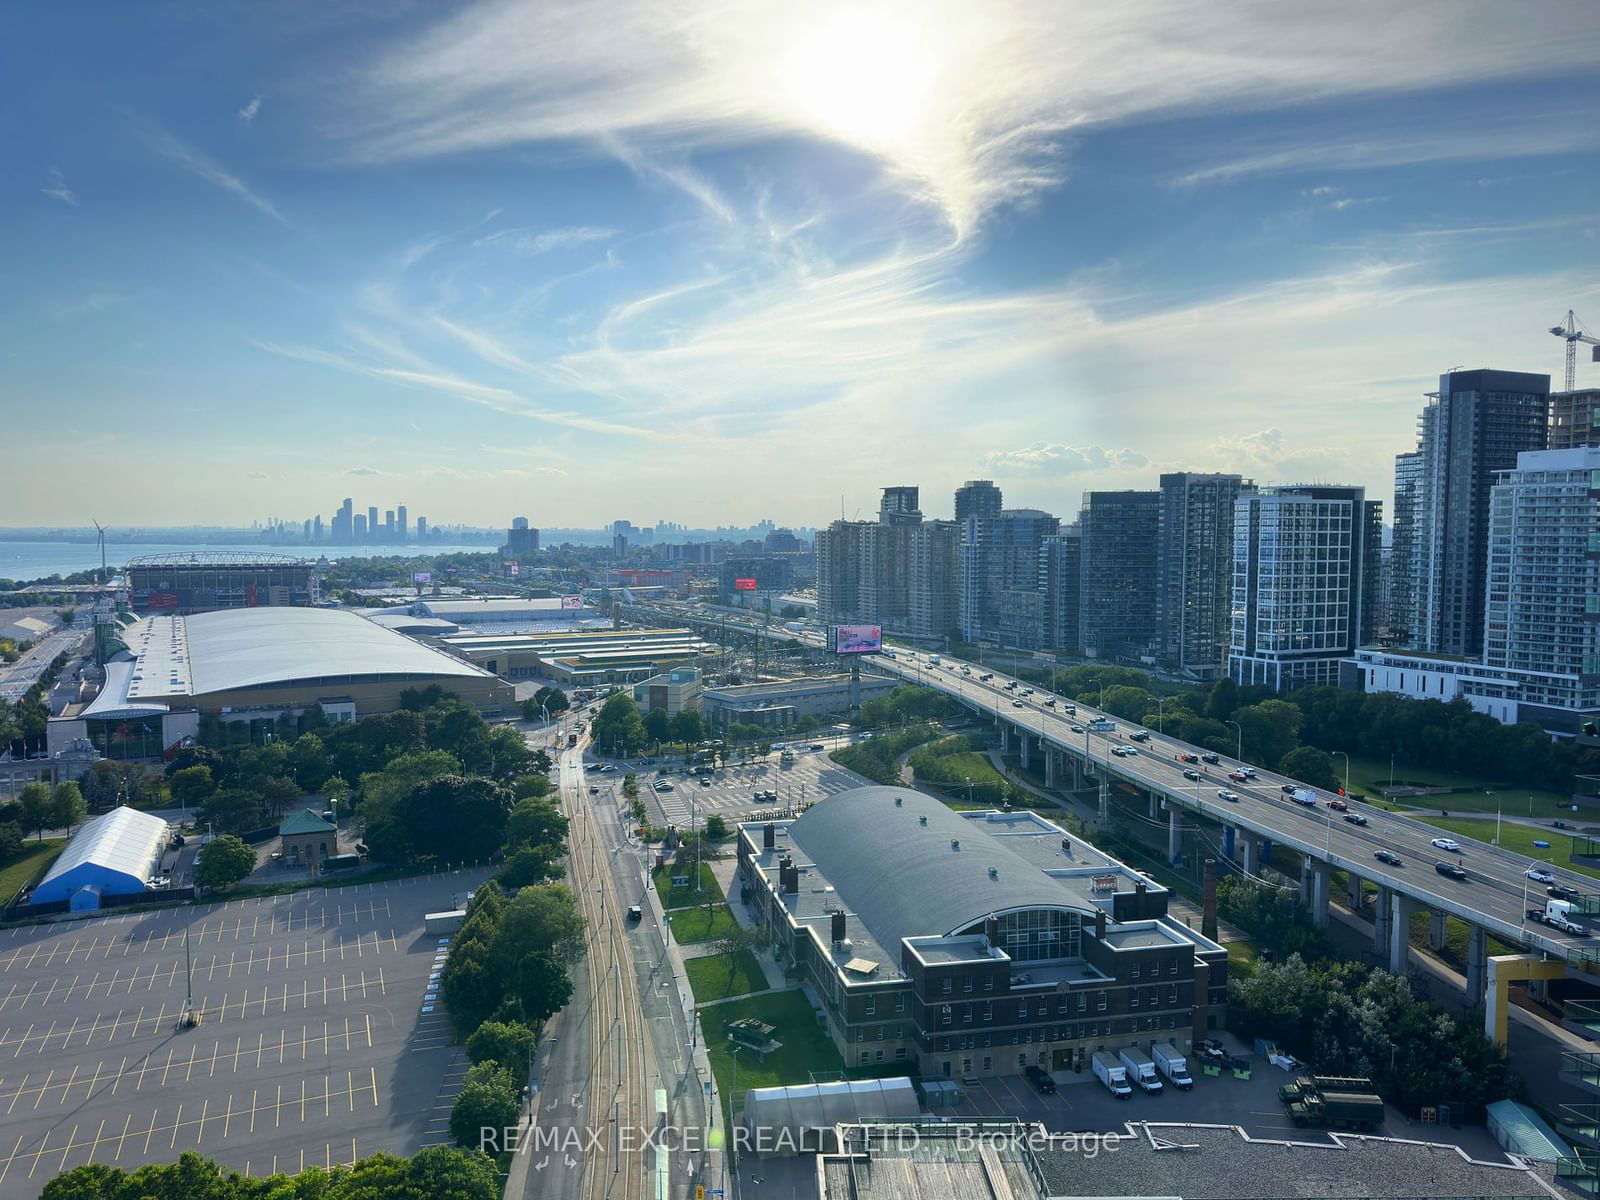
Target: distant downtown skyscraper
column 1474, row 426
column 1303, row 582
column 977, row 502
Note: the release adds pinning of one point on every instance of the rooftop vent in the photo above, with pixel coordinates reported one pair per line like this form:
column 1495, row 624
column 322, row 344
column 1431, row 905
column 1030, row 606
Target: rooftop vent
column 922, row 820
column 898, row 801
column 994, row 872
column 955, row 843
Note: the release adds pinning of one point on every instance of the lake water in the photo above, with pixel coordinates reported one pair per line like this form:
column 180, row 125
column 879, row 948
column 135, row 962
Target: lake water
column 35, row 560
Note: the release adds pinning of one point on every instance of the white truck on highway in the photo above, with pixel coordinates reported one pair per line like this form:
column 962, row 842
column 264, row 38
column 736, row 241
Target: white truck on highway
column 1141, row 1070
column 1173, row 1065
column 1111, row 1073
column 1304, row 796
column 1558, row 915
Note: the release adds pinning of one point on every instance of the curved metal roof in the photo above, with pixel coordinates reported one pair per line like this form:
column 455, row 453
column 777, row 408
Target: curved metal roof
column 240, row 648
column 124, row 840
column 903, row 879
column 219, row 558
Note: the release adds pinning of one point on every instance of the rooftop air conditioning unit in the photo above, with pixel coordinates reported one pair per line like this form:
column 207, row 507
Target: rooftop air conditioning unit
column 955, row 843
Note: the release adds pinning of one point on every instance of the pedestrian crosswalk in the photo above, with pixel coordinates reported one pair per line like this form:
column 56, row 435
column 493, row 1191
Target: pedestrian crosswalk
column 676, row 807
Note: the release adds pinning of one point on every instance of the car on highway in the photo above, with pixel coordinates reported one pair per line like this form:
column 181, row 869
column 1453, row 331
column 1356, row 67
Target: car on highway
column 1238, row 777
column 1561, row 892
column 1124, row 751
column 1050, row 703
column 1248, row 772
column 818, row 746
column 1450, row 869
column 1191, row 774
column 591, row 766
column 1450, row 844
column 1225, row 794
column 1141, row 736
column 1356, row 818
column 1016, row 704
column 1338, row 806
column 1389, row 857
column 1210, row 758
column 1289, row 789
column 1539, row 875
column 608, row 769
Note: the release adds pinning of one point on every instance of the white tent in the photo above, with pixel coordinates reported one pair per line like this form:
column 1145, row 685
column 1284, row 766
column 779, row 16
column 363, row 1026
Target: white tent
column 803, row 1116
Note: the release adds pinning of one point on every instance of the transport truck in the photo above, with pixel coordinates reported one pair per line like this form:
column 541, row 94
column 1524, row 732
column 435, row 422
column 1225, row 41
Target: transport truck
column 1141, row 1070
column 1558, row 915
column 1338, row 1110
column 1304, row 796
column 1307, row 1085
column 1173, row 1065
column 444, row 922
column 1111, row 1073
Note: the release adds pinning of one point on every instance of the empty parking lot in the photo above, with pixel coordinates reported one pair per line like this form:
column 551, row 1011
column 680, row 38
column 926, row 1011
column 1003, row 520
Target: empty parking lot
column 312, row 1046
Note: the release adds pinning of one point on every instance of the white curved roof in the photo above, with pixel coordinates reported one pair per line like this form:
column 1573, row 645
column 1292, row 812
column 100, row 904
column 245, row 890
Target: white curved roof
column 248, row 647
column 124, row 840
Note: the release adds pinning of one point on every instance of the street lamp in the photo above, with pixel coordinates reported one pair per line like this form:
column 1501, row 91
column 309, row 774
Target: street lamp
column 1240, row 744
column 1346, row 758
column 1161, row 712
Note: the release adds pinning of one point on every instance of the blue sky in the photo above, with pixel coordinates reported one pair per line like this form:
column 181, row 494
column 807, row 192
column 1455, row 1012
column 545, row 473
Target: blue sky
column 710, row 263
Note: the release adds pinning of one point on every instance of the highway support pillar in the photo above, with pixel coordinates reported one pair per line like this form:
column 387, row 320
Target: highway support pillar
column 1401, row 909
column 1249, row 854
column 1321, row 886
column 1436, row 931
column 1174, row 832
column 1382, row 916
column 1477, row 962
column 1229, row 836
column 1353, row 893
column 1306, row 867
column 1155, row 807
column 1503, row 969
column 1022, row 734
column 1005, row 737
column 1077, row 771
column 1050, row 757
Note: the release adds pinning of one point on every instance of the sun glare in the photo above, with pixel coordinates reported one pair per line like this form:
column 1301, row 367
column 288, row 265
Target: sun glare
column 863, row 77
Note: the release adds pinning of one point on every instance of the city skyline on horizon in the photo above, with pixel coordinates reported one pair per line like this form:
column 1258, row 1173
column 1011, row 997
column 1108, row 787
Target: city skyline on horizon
column 816, row 249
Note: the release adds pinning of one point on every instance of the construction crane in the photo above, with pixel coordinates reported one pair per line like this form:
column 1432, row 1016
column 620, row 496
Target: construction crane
column 1573, row 332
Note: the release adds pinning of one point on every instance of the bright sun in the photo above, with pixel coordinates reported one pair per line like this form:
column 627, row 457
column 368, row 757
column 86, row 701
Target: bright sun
column 863, row 77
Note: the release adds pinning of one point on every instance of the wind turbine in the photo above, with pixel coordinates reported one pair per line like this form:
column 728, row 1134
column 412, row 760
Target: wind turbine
column 100, row 536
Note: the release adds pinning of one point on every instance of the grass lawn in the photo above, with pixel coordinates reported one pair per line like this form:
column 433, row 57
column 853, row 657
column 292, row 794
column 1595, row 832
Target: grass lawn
column 1516, row 838
column 806, row 1046
column 709, row 977
column 672, row 897
column 1368, row 775
column 696, row 925
column 28, row 866
column 1241, row 954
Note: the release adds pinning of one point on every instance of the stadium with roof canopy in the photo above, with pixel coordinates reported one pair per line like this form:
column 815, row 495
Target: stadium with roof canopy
column 254, row 666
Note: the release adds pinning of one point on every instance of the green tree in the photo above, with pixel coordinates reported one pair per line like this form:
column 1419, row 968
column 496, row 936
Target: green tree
column 658, row 725
column 508, row 1043
column 486, row 1106
column 232, row 810
column 1271, row 729
column 1130, row 703
column 532, row 786
column 445, row 1173
column 716, row 826
column 1310, row 766
column 278, row 795
column 1222, row 699
column 309, row 763
column 688, row 727
column 191, row 786
column 38, row 807
column 458, row 729
column 11, row 840
column 542, row 986
column 67, row 807
column 537, row 823
column 541, row 920
column 618, row 728
column 381, row 790
column 553, row 700
column 225, row 861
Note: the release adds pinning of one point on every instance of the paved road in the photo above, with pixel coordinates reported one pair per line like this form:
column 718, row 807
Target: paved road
column 16, row 679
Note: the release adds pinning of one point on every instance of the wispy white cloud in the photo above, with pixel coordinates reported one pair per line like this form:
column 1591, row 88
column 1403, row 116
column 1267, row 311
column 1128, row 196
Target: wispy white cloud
column 203, row 167
column 528, row 241
column 247, row 114
column 56, row 188
column 1057, row 459
column 264, row 475
column 964, row 107
column 94, row 302
column 364, row 471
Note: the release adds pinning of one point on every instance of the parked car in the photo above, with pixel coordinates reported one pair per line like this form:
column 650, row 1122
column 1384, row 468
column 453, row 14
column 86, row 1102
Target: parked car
column 1450, row 869
column 595, row 791
column 1450, row 844
column 1041, row 1080
column 705, row 781
column 1356, row 818
column 1225, row 794
column 1539, row 875
column 1338, row 806
column 661, row 785
column 1388, row 856
column 1191, row 774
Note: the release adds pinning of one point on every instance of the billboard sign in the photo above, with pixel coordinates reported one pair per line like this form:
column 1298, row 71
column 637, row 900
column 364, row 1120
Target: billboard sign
column 858, row 639
column 421, row 577
column 571, row 602
column 744, row 585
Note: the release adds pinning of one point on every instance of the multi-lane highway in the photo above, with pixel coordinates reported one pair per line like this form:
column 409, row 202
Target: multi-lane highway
column 1496, row 893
